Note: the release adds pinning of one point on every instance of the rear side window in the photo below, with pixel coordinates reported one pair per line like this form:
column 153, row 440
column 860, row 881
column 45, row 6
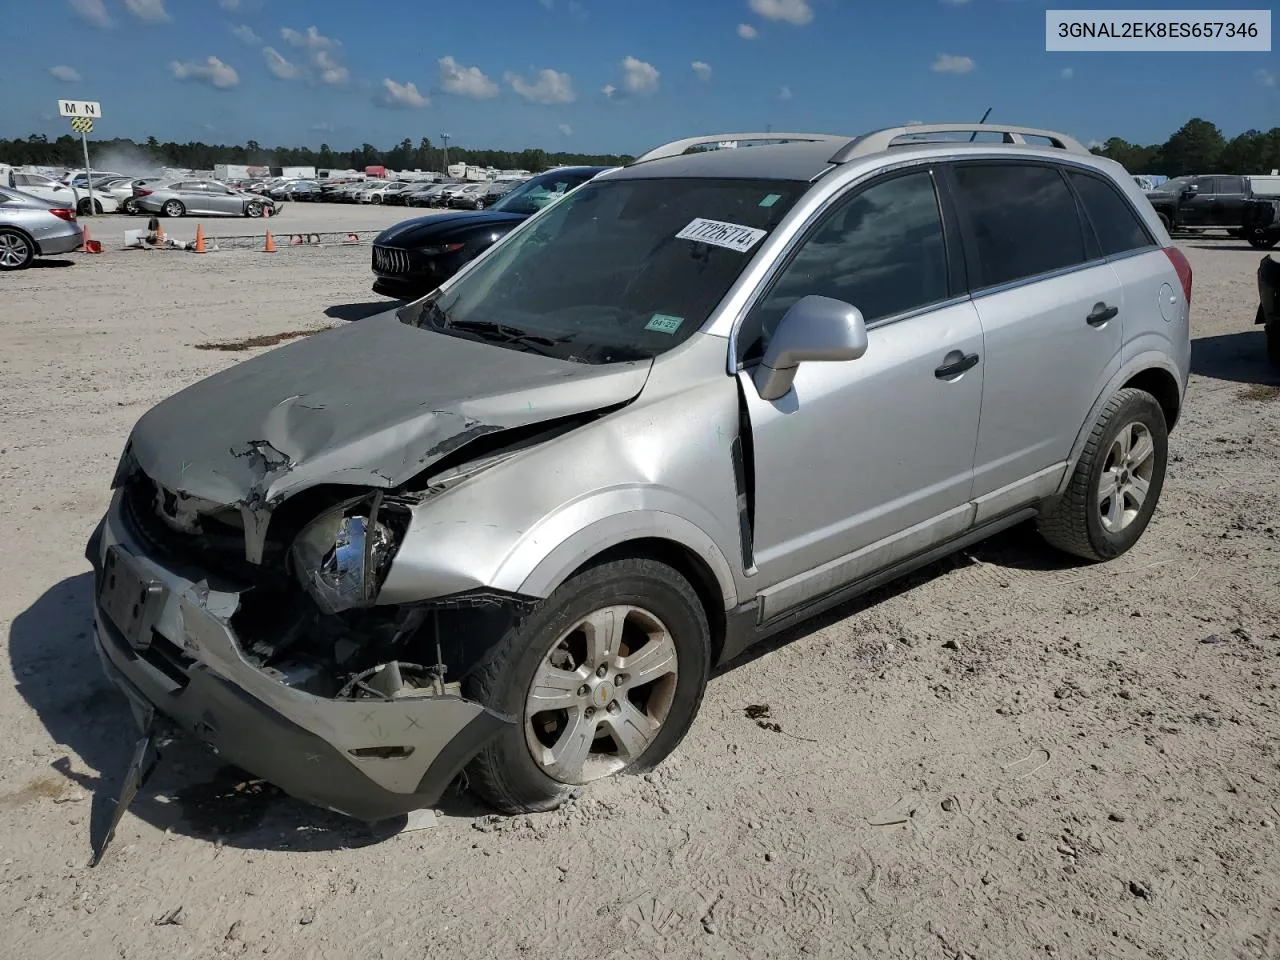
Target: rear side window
column 1117, row 227
column 1023, row 220
column 1230, row 185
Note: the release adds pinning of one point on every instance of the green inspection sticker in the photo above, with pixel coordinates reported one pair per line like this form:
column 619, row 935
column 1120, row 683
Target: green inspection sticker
column 770, row 200
column 663, row 323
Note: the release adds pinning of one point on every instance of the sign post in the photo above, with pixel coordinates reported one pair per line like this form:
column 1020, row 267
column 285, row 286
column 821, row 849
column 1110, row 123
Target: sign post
column 82, row 114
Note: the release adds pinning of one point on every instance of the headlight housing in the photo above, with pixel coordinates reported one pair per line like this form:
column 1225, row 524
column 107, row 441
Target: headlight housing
column 341, row 557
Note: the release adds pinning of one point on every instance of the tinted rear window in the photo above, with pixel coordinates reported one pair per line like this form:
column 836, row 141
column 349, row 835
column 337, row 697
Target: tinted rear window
column 1117, row 227
column 1023, row 220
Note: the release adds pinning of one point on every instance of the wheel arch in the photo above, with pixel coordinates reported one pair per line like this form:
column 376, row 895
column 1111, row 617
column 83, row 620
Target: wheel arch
column 26, row 235
column 1152, row 372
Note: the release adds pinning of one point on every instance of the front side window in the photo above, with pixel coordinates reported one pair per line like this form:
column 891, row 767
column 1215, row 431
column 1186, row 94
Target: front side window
column 1116, row 226
column 618, row 270
column 1022, row 219
column 880, row 250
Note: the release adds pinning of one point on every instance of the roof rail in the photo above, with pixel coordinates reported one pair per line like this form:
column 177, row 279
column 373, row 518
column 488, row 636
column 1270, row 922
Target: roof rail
column 678, row 147
column 880, row 140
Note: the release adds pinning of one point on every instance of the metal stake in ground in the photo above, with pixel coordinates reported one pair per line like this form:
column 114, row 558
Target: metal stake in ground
column 82, row 113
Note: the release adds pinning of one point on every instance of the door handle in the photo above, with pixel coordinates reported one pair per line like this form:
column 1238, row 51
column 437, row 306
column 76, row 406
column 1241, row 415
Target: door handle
column 953, row 368
column 1101, row 314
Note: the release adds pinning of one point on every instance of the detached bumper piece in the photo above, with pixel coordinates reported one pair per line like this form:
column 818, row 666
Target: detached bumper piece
column 167, row 642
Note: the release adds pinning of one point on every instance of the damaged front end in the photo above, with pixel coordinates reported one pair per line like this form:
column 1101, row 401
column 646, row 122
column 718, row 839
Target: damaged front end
column 289, row 668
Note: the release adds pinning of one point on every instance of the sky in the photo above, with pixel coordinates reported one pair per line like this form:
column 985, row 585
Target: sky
column 616, row 76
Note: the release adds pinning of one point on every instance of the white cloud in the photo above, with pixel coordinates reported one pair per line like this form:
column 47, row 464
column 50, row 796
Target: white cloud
column 277, row 64
column 65, row 74
column 403, row 95
column 321, row 51
column 1268, row 78
column 565, row 129
column 703, row 70
column 949, row 63
column 797, row 12
column 609, row 90
column 747, row 32
column 784, row 93
column 331, row 71
column 210, row 70
column 152, row 11
column 465, row 81
column 639, row 77
column 95, row 11
column 1094, row 145
column 246, row 34
column 323, row 127
column 913, row 123
column 549, row 86
column 1066, row 73
column 313, row 39
column 229, row 4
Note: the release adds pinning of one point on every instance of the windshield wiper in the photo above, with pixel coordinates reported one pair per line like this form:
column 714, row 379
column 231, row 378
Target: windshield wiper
column 501, row 333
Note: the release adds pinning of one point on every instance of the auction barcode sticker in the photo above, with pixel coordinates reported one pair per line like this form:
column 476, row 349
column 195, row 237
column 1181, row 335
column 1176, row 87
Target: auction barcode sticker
column 1125, row 31
column 731, row 236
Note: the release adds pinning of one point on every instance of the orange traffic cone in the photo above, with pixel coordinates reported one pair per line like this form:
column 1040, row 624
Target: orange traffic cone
column 199, row 238
column 88, row 245
column 271, row 244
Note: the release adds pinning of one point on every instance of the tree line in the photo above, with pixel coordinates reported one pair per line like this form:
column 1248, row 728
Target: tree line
column 1198, row 146
column 66, row 151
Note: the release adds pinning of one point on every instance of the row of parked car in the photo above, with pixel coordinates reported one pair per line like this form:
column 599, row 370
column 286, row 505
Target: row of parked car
column 453, row 194
column 140, row 196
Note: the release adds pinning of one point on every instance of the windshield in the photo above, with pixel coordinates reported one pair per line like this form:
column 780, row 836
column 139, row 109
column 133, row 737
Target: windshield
column 1172, row 186
column 532, row 195
column 619, row 270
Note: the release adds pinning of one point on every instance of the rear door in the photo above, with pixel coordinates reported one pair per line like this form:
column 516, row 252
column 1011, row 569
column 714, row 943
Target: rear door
column 1051, row 312
column 1228, row 202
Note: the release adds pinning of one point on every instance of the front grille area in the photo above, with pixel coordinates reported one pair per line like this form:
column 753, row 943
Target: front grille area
column 220, row 548
column 390, row 260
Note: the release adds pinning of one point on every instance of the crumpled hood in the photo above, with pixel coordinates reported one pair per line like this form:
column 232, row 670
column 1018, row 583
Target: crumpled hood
column 445, row 228
column 370, row 404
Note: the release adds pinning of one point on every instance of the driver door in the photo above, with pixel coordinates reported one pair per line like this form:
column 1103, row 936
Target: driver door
column 865, row 462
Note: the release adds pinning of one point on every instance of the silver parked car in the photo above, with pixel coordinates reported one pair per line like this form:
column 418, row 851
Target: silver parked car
column 203, row 197
column 33, row 227
column 513, row 526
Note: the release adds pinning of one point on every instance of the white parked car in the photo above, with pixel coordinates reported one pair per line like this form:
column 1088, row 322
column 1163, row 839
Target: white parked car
column 59, row 194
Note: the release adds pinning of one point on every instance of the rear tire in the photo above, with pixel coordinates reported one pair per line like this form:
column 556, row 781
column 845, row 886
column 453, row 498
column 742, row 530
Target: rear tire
column 130, row 208
column 506, row 773
column 16, row 249
column 1088, row 523
column 1165, row 222
column 1273, row 343
column 1260, row 240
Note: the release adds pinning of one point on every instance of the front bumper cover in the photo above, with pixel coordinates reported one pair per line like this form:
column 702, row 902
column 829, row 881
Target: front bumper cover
column 367, row 759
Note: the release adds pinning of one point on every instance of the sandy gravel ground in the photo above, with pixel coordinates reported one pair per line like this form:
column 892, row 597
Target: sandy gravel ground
column 1006, row 757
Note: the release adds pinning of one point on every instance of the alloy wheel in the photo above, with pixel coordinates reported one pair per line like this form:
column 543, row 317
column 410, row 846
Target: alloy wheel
column 1126, row 477
column 600, row 696
column 14, row 250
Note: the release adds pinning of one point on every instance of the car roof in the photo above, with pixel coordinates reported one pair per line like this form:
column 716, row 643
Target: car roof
column 775, row 161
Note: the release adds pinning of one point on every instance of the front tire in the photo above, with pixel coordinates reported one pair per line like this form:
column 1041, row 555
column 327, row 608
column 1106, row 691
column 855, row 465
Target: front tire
column 1273, row 343
column 1166, row 223
column 1117, row 482
column 130, row 208
column 16, row 250
column 253, row 209
column 86, row 207
column 173, row 208
column 605, row 677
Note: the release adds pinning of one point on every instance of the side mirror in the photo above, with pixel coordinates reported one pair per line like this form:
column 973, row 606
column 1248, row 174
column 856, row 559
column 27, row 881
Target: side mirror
column 1189, row 192
column 815, row 328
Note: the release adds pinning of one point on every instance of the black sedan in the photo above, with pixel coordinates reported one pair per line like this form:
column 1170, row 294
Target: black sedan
column 414, row 257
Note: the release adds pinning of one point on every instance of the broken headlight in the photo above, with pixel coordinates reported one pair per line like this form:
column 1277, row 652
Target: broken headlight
column 341, row 556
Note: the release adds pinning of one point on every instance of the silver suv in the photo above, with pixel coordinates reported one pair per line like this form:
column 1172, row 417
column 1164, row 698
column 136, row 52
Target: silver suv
column 510, row 528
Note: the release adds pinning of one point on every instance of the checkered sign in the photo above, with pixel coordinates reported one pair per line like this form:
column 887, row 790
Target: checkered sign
column 82, row 125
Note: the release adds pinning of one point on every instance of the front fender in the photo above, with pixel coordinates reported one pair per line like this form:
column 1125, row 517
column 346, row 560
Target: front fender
column 560, row 544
